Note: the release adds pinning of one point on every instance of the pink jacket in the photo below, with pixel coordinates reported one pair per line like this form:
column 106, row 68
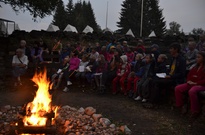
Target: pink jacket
column 74, row 63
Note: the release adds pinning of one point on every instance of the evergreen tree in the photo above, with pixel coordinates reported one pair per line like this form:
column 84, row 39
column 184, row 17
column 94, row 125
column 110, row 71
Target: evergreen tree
column 79, row 15
column 69, row 12
column 153, row 19
column 79, row 20
column 130, row 16
column 90, row 17
column 59, row 16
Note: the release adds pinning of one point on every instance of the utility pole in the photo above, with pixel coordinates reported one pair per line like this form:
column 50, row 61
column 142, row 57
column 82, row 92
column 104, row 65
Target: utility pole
column 106, row 15
column 142, row 10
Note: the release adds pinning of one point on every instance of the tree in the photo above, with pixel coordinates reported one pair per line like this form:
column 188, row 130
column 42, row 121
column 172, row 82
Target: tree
column 79, row 18
column 59, row 16
column 90, row 16
column 130, row 17
column 174, row 28
column 198, row 31
column 37, row 8
column 69, row 12
column 84, row 15
column 79, row 15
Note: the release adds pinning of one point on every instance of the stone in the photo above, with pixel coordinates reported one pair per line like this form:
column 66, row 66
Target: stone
column 67, row 123
column 112, row 126
column 8, row 107
column 81, row 110
column 85, row 127
column 125, row 130
column 90, row 111
column 105, row 122
column 96, row 117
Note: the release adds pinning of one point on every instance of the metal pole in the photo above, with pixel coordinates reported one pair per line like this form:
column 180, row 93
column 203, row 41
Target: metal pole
column 142, row 10
column 106, row 15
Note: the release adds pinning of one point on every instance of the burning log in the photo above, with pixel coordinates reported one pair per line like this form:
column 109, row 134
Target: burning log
column 36, row 130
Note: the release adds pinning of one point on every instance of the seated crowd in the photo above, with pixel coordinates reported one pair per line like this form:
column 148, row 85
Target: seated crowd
column 145, row 77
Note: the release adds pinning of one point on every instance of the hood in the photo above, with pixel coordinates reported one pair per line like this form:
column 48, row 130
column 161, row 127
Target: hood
column 124, row 58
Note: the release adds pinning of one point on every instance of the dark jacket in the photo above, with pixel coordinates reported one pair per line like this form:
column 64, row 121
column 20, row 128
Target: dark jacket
column 180, row 69
column 138, row 68
column 149, row 70
column 161, row 68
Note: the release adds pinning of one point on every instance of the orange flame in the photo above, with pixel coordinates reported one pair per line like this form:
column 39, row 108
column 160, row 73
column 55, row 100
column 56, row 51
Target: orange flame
column 36, row 110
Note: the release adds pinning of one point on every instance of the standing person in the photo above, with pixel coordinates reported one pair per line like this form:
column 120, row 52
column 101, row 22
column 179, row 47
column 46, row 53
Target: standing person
column 19, row 64
column 73, row 66
column 123, row 71
column 194, row 84
column 176, row 74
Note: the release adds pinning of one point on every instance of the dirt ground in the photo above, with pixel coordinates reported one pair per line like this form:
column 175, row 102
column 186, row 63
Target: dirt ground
column 119, row 109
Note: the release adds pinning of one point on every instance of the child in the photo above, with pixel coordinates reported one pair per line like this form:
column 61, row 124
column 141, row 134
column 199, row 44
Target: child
column 130, row 55
column 122, row 73
column 80, row 75
column 101, row 68
column 91, row 69
column 161, row 64
column 143, row 84
column 136, row 74
column 56, row 78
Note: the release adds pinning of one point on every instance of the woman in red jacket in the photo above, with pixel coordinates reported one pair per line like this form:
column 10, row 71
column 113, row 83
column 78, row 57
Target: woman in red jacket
column 195, row 83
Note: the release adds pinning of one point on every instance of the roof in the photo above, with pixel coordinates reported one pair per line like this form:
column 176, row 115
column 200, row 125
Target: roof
column 1, row 19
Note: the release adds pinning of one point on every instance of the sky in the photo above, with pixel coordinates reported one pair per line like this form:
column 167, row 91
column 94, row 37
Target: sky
column 188, row 13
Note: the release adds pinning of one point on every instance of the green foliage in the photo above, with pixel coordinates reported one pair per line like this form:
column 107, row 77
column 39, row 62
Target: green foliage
column 37, row 8
column 79, row 15
column 198, row 31
column 174, row 28
column 130, row 17
column 59, row 16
